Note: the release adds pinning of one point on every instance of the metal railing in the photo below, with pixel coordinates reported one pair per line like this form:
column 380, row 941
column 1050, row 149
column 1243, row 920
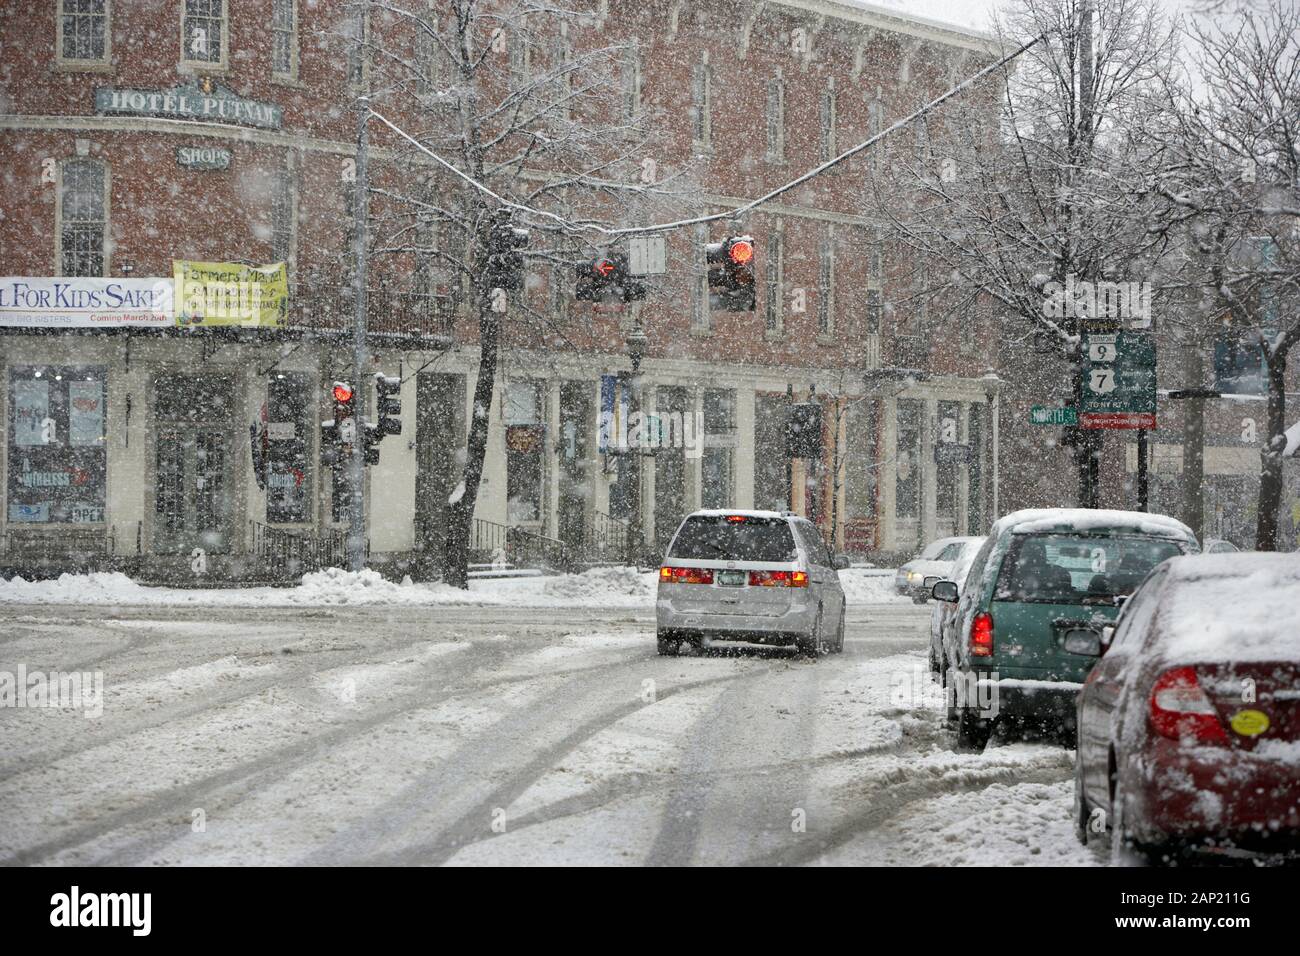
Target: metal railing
column 298, row 551
column 530, row 549
column 487, row 537
column 609, row 541
column 327, row 307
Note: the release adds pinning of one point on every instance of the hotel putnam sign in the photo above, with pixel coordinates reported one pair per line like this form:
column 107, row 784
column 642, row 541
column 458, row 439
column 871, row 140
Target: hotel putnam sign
column 207, row 102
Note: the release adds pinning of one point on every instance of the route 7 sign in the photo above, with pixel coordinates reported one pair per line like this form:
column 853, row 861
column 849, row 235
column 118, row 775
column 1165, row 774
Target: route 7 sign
column 1119, row 381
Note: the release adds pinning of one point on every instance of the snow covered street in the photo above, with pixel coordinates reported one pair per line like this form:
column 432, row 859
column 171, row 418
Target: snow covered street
column 420, row 732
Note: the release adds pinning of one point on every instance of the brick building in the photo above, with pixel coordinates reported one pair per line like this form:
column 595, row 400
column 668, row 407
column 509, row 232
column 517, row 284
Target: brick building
column 223, row 131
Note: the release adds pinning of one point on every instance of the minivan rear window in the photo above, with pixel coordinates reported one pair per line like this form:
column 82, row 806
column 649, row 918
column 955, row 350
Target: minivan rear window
column 733, row 538
column 1077, row 569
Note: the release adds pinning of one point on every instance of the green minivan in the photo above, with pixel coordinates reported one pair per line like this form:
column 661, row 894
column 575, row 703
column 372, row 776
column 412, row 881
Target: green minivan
column 1040, row 574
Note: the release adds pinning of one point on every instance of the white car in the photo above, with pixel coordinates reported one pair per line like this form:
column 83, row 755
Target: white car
column 755, row 577
column 935, row 562
column 944, row 613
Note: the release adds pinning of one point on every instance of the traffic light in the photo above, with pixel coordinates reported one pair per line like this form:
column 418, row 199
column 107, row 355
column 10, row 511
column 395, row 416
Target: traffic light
column 607, row 279
column 372, row 436
column 387, row 405
column 731, row 274
column 338, row 431
column 505, row 264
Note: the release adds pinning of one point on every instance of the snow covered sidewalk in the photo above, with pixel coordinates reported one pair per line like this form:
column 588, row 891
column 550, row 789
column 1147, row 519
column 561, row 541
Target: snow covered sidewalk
column 616, row 587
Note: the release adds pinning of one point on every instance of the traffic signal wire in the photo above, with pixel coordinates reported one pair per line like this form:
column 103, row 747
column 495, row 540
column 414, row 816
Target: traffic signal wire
column 714, row 217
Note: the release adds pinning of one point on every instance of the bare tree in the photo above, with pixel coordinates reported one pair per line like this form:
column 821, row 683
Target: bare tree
column 1234, row 193
column 518, row 116
column 1030, row 190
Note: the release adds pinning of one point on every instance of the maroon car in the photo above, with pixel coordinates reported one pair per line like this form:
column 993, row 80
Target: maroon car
column 1189, row 726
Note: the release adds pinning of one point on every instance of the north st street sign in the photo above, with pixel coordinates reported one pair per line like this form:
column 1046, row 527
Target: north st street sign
column 206, row 101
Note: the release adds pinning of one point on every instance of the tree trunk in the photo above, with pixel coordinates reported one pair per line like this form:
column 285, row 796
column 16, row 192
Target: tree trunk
column 1270, row 473
column 460, row 513
column 1193, row 504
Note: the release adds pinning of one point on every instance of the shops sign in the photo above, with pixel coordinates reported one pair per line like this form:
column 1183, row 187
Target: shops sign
column 41, row 302
column 205, row 101
column 202, row 158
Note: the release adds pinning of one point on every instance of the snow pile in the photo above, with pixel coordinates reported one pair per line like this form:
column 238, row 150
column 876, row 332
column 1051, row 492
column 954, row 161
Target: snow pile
column 100, row 587
column 612, row 587
column 602, row 584
column 337, row 586
column 869, row 586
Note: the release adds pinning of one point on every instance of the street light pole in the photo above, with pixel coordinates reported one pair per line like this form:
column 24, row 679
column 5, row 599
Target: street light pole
column 356, row 539
column 636, row 345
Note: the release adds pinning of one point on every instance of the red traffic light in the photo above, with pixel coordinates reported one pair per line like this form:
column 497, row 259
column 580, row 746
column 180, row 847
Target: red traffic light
column 604, row 267
column 741, row 252
column 342, row 392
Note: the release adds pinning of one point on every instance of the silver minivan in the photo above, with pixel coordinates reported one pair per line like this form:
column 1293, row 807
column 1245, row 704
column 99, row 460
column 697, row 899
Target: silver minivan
column 761, row 577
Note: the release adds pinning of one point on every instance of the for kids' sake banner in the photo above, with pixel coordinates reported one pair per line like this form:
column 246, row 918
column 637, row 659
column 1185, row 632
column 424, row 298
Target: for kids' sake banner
column 49, row 302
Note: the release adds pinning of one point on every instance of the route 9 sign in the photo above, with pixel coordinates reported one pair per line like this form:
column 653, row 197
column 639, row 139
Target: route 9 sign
column 1119, row 381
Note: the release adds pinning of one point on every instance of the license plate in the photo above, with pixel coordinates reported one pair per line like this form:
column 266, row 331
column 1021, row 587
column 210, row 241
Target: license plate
column 731, row 579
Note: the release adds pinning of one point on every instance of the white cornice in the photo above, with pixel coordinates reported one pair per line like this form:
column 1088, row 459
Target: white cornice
column 895, row 21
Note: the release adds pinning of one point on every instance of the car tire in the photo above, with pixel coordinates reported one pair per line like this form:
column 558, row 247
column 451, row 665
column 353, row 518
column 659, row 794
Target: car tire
column 972, row 731
column 668, row 646
column 1082, row 812
column 1124, row 850
column 811, row 645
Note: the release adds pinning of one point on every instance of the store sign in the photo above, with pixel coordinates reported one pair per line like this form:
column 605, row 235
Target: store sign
column 213, row 294
column 205, row 158
column 205, row 101
column 84, row 303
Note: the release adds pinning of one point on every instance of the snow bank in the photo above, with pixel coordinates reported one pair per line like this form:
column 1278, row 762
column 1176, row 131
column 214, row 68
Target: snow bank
column 614, row 587
column 870, row 586
column 603, row 587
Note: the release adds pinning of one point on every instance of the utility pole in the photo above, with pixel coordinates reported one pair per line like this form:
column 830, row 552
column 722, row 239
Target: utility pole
column 356, row 540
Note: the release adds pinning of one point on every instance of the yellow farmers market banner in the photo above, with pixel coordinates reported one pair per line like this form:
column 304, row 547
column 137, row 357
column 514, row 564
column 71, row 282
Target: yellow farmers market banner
column 228, row 293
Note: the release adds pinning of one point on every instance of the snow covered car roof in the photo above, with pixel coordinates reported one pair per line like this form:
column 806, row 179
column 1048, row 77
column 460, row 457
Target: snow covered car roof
column 1237, row 607
column 1085, row 520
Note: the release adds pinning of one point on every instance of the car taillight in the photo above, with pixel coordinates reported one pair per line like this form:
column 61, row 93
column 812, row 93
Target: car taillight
column 981, row 635
column 1180, row 708
column 685, row 575
column 778, row 579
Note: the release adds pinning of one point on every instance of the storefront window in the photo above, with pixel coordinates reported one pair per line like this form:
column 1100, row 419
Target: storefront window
column 523, row 414
column 288, row 427
column 907, row 482
column 719, row 440
column 57, row 454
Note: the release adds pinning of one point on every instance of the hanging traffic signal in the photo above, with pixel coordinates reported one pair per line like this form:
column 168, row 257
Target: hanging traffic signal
column 334, row 433
column 731, row 274
column 505, row 263
column 607, row 279
column 387, row 405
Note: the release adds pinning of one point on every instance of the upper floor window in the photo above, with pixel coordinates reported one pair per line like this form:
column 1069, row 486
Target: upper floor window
column 829, row 109
column 826, row 285
column 83, row 217
column 203, row 32
column 776, row 118
column 632, row 81
column 284, row 38
column 774, row 313
column 358, row 38
column 701, row 102
column 83, row 30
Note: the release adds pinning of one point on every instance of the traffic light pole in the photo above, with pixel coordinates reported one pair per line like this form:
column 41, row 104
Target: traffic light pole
column 356, row 536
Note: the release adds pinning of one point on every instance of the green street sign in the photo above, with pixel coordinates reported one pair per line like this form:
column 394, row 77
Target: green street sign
column 1053, row 415
column 1119, row 381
